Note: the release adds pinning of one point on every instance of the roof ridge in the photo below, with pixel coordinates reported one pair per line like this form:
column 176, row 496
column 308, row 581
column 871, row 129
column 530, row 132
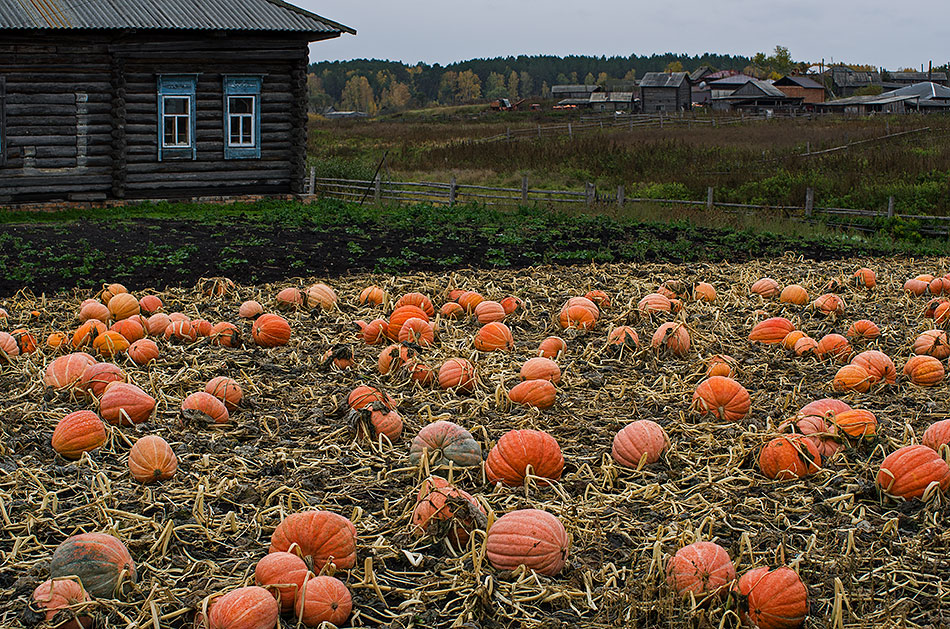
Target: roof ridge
column 312, row 15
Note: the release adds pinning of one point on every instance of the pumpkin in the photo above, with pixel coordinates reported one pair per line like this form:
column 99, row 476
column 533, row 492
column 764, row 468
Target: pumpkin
column 445, row 442
column 931, row 307
column 703, row 291
column 53, row 597
column 373, row 332
column 916, row 287
column 820, row 431
column 227, row 390
column 282, row 569
column 775, row 599
column 373, row 422
column 771, row 331
column 270, row 330
column 202, row 327
column 321, row 295
column 721, row 365
column 723, row 398
column 400, row 315
column 94, row 310
column 937, row 435
column 451, row 310
column 494, row 337
column 864, row 330
column 529, row 537
column 938, row 286
column 372, row 296
column 324, row 599
column 124, row 404
column 700, row 568
column 510, row 304
column 225, row 334
column 623, row 336
column 66, row 371
column 864, row 278
column 829, row 304
column 157, row 323
column 789, row 456
column 419, row 371
column 8, row 347
column 86, row 334
column 794, row 294
column 131, row 328
column 442, row 510
column 852, row 378
column 290, row 298
column 181, row 331
column 671, row 337
column 856, row 423
column 123, row 306
column 250, row 309
column 942, row 313
column 143, row 351
column 207, row 407
column 323, row 536
column 150, row 304
column 101, row 562
column 489, row 311
column 110, row 290
column 924, row 371
column 825, row 407
column 152, row 459
column 833, row 346
column 552, row 347
column 393, row 357
column 249, row 607
column 536, row 393
column 641, row 441
column 419, row 301
column 417, row 331
column 599, row 297
column 363, row 396
column 654, row 303
column 541, row 368
column 806, row 345
column 580, row 313
column 766, row 287
column 78, row 432
column 791, row 338
column 109, row 343
column 97, row 376
column 457, row 373
column 509, row 460
column 878, row 365
column 469, row 299
column 908, row 472
column 56, row 340
column 932, row 343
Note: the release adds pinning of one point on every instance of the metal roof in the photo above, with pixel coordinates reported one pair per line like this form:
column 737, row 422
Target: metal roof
column 663, row 79
column 228, row 15
column 598, row 97
column 734, row 80
column 903, row 77
column 562, row 89
column 620, row 97
column 763, row 87
column 800, row 81
column 881, row 99
column 925, row 90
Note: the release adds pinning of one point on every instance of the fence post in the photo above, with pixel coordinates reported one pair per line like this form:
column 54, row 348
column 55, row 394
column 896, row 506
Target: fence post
column 570, row 130
column 887, row 127
column 378, row 189
column 311, row 184
column 453, row 191
column 890, row 207
column 620, row 195
column 524, row 189
column 539, row 131
column 508, row 133
column 807, row 147
column 809, row 201
column 709, row 198
column 661, row 119
column 631, row 122
column 589, row 191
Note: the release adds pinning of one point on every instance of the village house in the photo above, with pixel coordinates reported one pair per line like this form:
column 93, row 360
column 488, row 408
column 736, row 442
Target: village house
column 910, row 78
column 802, row 87
column 665, row 92
column 149, row 99
column 756, row 96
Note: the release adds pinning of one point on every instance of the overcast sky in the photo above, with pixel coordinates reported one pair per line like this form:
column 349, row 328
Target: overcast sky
column 877, row 32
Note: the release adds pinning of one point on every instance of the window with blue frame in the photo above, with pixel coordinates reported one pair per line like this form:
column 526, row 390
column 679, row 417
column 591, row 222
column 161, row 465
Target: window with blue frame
column 242, row 117
column 176, row 116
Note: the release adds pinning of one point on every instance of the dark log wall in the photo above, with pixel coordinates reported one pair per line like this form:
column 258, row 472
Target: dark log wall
column 82, row 116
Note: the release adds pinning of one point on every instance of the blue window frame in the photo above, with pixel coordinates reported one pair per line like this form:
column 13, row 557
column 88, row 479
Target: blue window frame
column 242, row 117
column 176, row 116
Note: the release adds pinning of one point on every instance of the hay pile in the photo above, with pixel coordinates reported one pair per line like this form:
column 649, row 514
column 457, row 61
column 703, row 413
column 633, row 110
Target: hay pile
column 867, row 561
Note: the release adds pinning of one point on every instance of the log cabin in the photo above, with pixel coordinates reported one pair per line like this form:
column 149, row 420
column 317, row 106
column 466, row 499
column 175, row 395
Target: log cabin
column 153, row 99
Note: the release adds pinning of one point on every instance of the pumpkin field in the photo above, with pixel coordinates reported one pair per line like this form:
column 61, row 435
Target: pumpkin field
column 605, row 445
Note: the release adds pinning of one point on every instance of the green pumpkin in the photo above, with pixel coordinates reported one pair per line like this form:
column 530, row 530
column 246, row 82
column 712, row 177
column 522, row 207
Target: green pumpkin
column 446, row 442
column 99, row 561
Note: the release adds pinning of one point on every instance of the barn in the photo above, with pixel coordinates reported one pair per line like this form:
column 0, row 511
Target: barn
column 661, row 91
column 153, row 99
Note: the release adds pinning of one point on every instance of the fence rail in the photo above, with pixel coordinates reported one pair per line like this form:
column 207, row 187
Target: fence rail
column 450, row 193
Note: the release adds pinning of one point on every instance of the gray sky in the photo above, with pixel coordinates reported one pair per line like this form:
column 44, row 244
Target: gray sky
column 877, row 32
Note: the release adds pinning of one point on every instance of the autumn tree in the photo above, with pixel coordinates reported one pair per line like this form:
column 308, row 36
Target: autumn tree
column 448, row 87
column 589, row 79
column 469, row 87
column 673, row 66
column 495, row 86
column 358, row 95
column 513, row 85
column 527, row 84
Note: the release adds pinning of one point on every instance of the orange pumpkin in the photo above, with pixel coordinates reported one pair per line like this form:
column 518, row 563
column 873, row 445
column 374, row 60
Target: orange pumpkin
column 529, row 537
column 852, row 378
column 829, row 304
column 78, row 432
column 92, row 309
column 791, row 338
column 451, row 310
column 536, row 393
column 250, row 309
column 150, row 304
column 771, row 331
column 250, row 607
column 510, row 304
column 457, row 373
column 363, row 396
column 151, row 459
column 856, row 423
column 541, row 368
column 374, row 422
column 552, row 347
column 494, row 337
column 775, row 599
column 864, row 278
column 700, row 568
column 721, row 365
column 916, row 287
column 806, row 345
column 932, row 343
column 864, row 330
column 833, row 346
column 640, row 442
column 789, row 456
column 373, row 332
column 66, row 371
column 124, row 404
column 110, row 343
column 623, row 337
column 225, row 334
column 208, row 407
column 100, row 561
column 181, row 331
column 517, row 450
column 937, row 435
column 794, row 294
column 400, row 315
column 54, row 597
column 290, row 298
column 270, row 330
column 488, row 311
column 143, row 351
column 280, row 572
column 443, row 443
column 323, row 536
column 924, row 371
column 417, row 331
column 8, row 347
column 766, row 287
column 324, row 599
column 469, row 299
column 227, row 390
column 419, row 371
column 819, row 430
column 654, row 303
column 878, row 365
column 372, row 296
column 908, row 472
column 580, row 313
column 723, row 398
column 86, row 334
column 157, row 323
column 672, row 338
column 418, row 300
column 123, row 306
column 110, row 290
column 131, row 328
column 97, row 376
column 321, row 295
column 704, row 292
column 393, row 357
column 443, row 510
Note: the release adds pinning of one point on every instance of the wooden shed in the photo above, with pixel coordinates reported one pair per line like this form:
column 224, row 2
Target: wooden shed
column 802, row 87
column 668, row 92
column 153, row 99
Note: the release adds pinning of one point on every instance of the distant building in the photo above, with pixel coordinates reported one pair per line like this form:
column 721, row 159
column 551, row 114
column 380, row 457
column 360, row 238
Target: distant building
column 574, row 92
column 882, row 103
column 756, row 96
column 666, row 92
column 726, row 85
column 910, row 78
column 611, row 101
column 846, row 81
column 930, row 96
column 801, row 87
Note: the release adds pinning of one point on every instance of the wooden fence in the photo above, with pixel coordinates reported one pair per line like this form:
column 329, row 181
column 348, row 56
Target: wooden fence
column 379, row 191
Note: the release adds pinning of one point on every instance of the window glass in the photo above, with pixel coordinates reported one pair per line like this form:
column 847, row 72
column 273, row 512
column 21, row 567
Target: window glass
column 177, row 122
